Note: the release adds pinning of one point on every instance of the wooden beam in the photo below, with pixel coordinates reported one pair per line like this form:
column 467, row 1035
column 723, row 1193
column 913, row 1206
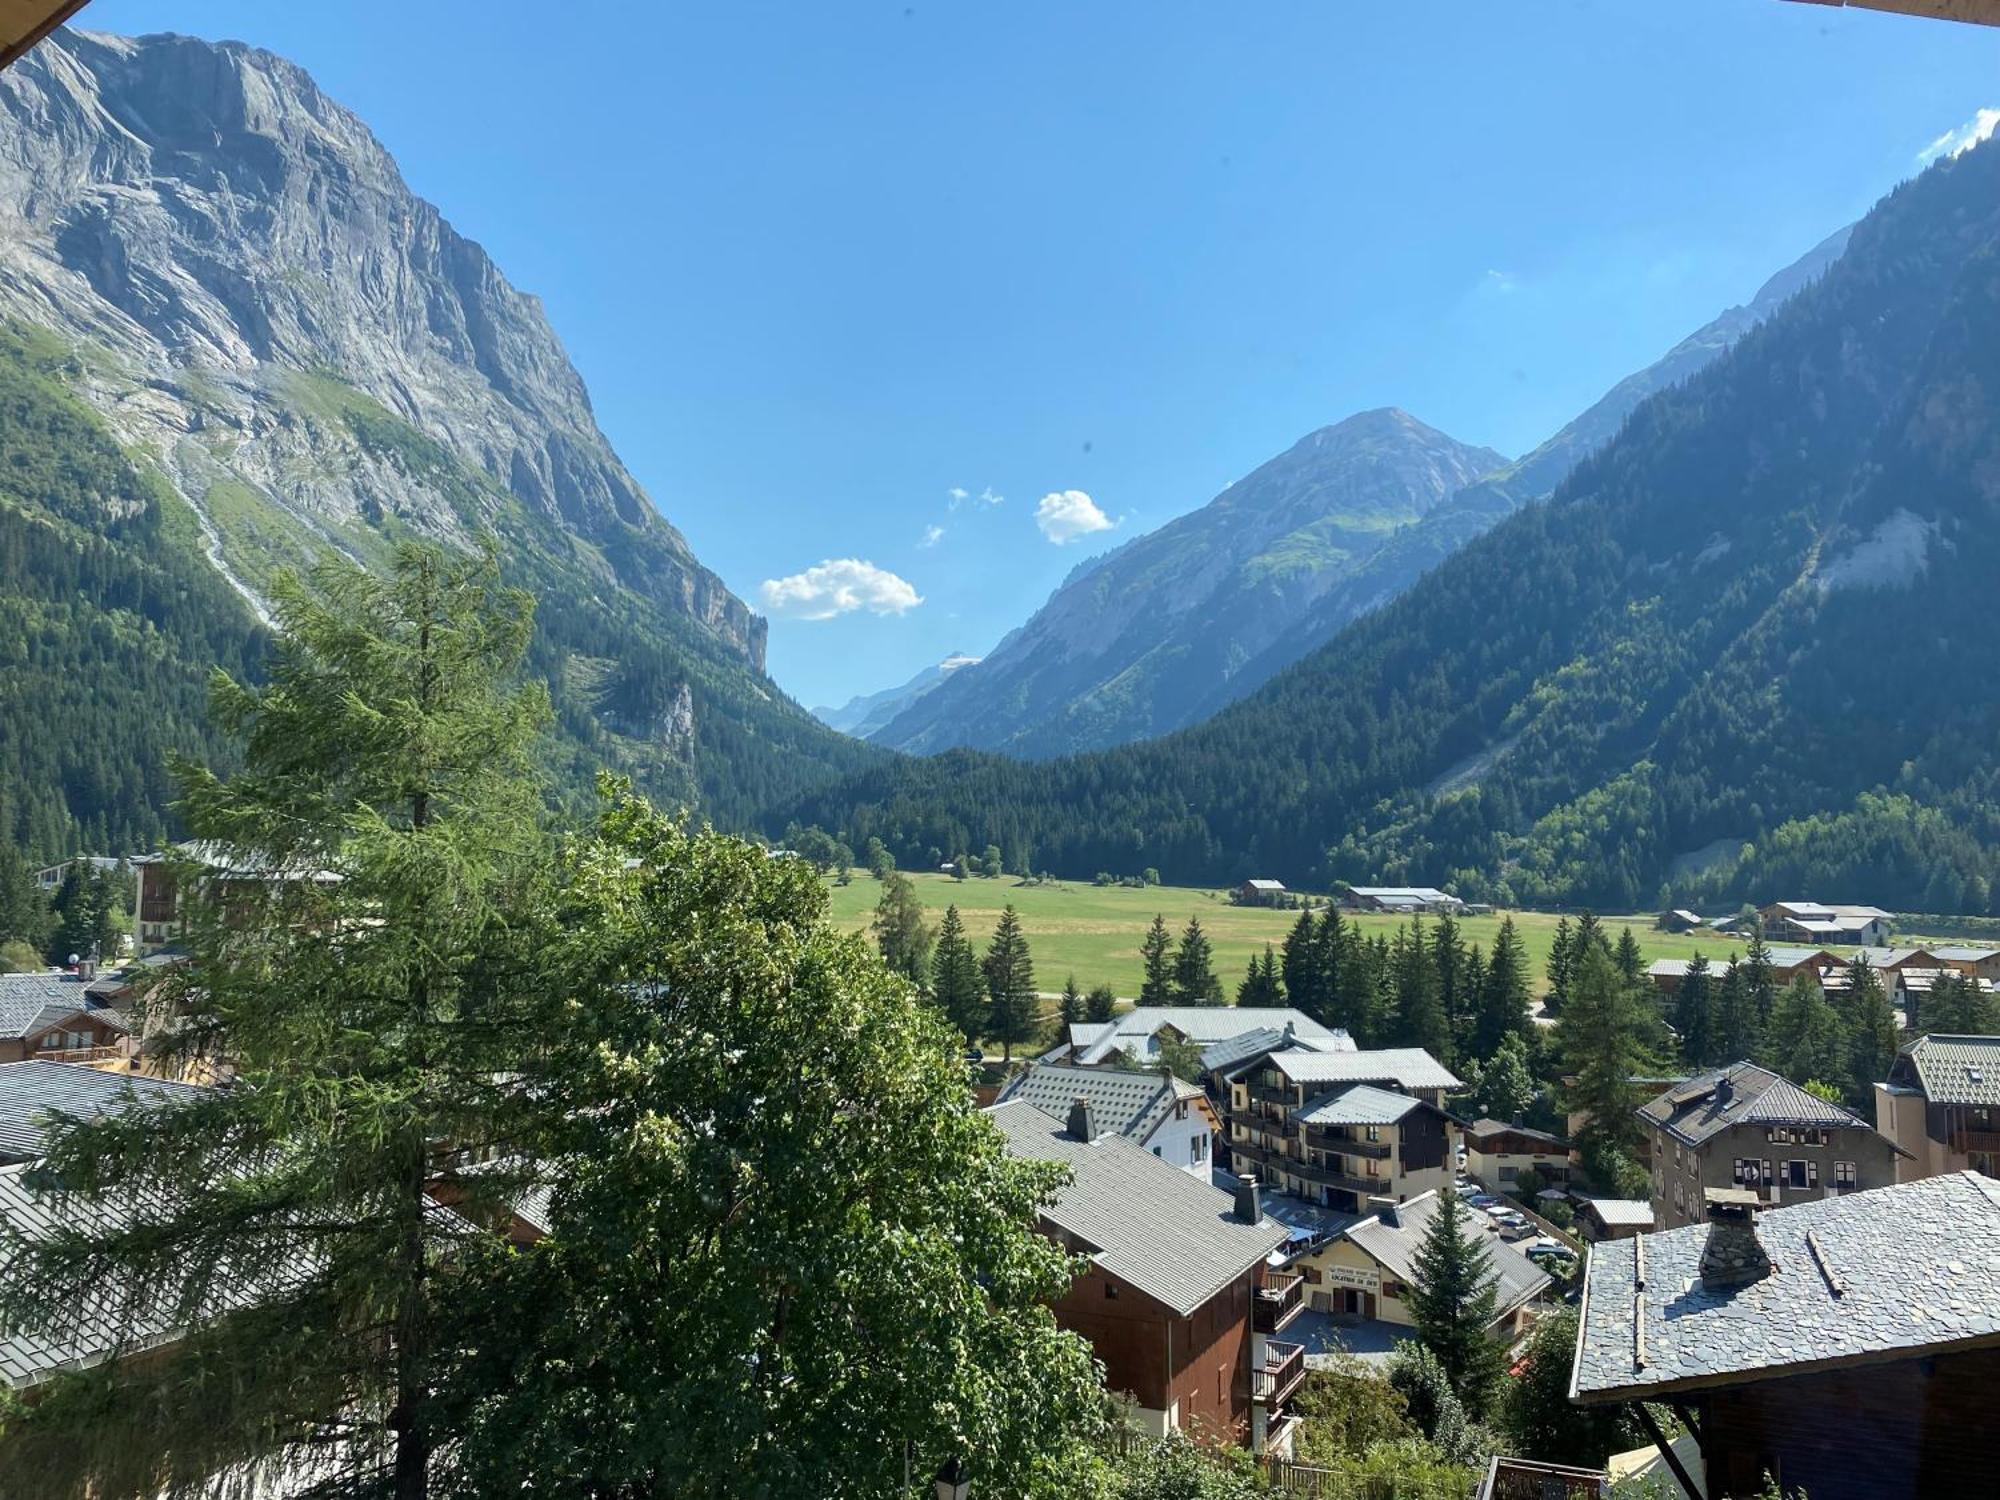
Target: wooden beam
column 28, row 21
column 1976, row 12
column 1652, row 1426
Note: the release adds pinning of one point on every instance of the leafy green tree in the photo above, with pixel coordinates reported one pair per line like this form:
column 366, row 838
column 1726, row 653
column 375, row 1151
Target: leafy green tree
column 1010, row 985
column 901, row 933
column 880, row 862
column 1539, row 1420
column 1871, row 1025
column 786, row 1254
column 992, row 864
column 387, row 746
column 1261, row 984
column 1178, row 1468
column 1156, row 953
column 958, row 988
column 1344, row 1409
column 1437, row 1408
column 1505, row 1087
column 1453, row 1302
column 1101, row 1004
column 1195, row 979
column 1805, row 1038
column 1503, row 995
column 86, row 913
column 1605, row 1039
column 1071, row 1008
column 1695, row 1014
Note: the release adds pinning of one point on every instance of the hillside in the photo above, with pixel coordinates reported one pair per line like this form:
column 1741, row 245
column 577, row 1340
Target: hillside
column 223, row 296
column 1745, row 645
column 1114, row 654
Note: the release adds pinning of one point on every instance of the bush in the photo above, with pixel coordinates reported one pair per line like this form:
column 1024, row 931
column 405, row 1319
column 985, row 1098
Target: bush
column 1175, row 1468
column 17, row 957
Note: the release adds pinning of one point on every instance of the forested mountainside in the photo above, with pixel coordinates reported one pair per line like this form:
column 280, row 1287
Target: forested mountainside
column 1746, row 645
column 1113, row 654
column 238, row 342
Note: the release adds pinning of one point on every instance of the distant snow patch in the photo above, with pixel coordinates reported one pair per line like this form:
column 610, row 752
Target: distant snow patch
column 1893, row 556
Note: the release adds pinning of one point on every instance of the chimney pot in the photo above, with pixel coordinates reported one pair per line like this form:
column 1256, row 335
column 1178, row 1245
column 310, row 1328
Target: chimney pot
column 1733, row 1255
column 1249, row 1199
column 1082, row 1120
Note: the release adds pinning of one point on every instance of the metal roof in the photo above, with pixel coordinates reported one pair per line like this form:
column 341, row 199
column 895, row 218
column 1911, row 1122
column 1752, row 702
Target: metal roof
column 1394, row 1247
column 1955, row 1069
column 1694, row 1111
column 1622, row 1212
column 1487, row 1126
column 1150, row 1224
column 1132, row 1033
column 1407, row 1067
column 1362, row 1104
column 1131, row 1103
column 1887, row 1274
column 32, row 1091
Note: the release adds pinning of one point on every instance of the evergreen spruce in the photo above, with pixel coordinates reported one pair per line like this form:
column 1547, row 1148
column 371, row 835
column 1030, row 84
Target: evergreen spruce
column 1560, row 961
column 1261, row 984
column 1070, row 1007
column 1195, row 981
column 1806, row 1041
column 1420, row 1017
column 1761, row 979
column 1695, row 1014
column 1739, row 1030
column 1010, row 985
column 1100, row 1005
column 1871, row 1027
column 1453, row 1301
column 1503, row 994
column 1626, row 955
column 1300, row 966
column 1156, row 951
column 1604, row 1037
column 957, row 988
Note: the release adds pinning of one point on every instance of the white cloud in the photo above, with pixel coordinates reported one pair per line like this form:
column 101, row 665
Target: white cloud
column 1502, row 282
column 932, row 536
column 838, row 586
column 1065, row 515
column 957, row 495
column 989, row 496
column 1963, row 139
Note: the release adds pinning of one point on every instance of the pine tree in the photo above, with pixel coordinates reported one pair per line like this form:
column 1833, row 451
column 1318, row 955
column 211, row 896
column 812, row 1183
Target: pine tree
column 24, row 911
column 1448, row 963
column 1503, row 995
column 1871, row 1023
column 1626, row 955
column 1420, row 1017
column 1261, row 985
column 1156, row 951
column 1301, row 966
column 1195, row 981
column 1805, row 1041
column 1453, row 1302
column 1957, row 1005
column 1070, row 1007
column 1604, row 1041
column 389, row 746
column 1760, row 979
column 901, row 933
column 1589, row 934
column 1695, row 1014
column 958, row 989
column 1359, row 1002
column 1561, row 952
column 1739, row 1031
column 1010, row 984
column 1100, row 1005
column 1506, row 1088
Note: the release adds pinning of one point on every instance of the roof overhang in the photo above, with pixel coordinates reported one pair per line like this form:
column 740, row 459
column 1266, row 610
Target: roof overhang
column 1979, row 12
column 25, row 22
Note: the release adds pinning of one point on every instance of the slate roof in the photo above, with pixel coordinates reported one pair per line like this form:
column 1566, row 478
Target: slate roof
column 1622, row 1212
column 1152, row 1225
column 1133, row 1104
column 1958, row 954
column 1792, row 956
column 1395, row 1246
column 1407, row 1067
column 31, row 1091
column 1888, row 1274
column 1132, row 1033
column 1482, row 1128
column 34, row 1002
column 1362, row 1104
column 1693, row 1112
column 1956, row 1069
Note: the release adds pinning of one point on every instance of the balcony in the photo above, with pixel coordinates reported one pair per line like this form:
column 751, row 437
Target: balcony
column 1334, row 1177
column 1267, row 1093
column 89, row 1056
column 1346, row 1145
column 1518, row 1479
column 1280, row 1374
column 1277, row 1302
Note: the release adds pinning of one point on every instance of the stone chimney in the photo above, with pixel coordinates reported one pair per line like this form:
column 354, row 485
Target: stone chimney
column 1249, row 1199
column 1733, row 1256
column 1386, row 1210
column 1082, row 1119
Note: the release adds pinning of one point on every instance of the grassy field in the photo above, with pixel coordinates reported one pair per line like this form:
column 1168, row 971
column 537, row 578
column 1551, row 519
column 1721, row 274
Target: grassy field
column 1093, row 932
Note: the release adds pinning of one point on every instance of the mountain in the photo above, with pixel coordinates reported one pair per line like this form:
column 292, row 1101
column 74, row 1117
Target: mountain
column 217, row 287
column 1746, row 646
column 1200, row 613
column 867, row 714
column 1113, row 654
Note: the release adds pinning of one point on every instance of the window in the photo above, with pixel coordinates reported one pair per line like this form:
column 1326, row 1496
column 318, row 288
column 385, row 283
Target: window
column 1374, row 1132
column 1844, row 1177
column 1745, row 1173
column 1801, row 1173
column 1200, row 1151
column 1110, row 1291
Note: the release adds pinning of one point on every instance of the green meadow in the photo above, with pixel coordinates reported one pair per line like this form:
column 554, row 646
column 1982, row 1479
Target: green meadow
column 1093, row 932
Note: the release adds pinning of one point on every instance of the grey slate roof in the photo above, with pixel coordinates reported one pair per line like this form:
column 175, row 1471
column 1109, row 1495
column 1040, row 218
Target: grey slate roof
column 1152, row 1225
column 1132, row 1032
column 1485, row 1127
column 1693, row 1111
column 1407, row 1067
column 1133, row 1104
column 31, row 1091
column 1395, row 1247
column 1887, row 1274
column 1957, row 1069
column 1359, row 1104
column 32, row 1002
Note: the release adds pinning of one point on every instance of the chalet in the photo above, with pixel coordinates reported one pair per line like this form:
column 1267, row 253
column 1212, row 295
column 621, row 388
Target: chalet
column 1812, row 922
column 1260, row 893
column 1788, row 962
column 157, row 920
column 1979, row 963
column 1156, row 1112
column 1178, row 1301
column 1401, row 900
column 1745, row 1127
column 1845, row 1347
column 1134, row 1037
column 1941, row 1104
column 1339, row 1128
column 52, row 1016
column 1367, row 1270
column 1680, row 919
column 32, row 1092
column 1499, row 1154
column 1613, row 1218
column 50, row 877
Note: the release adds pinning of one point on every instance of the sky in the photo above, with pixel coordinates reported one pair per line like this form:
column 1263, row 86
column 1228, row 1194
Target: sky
column 901, row 310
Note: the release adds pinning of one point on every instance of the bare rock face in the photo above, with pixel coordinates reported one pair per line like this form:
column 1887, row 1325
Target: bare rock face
column 309, row 351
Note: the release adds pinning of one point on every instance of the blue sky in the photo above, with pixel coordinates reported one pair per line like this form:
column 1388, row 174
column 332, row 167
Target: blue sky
column 824, row 263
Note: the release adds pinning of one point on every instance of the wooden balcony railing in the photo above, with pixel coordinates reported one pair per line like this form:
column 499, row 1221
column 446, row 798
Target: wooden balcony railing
column 1333, row 1140
column 1519, row 1479
column 1280, row 1374
column 80, row 1054
column 1277, row 1302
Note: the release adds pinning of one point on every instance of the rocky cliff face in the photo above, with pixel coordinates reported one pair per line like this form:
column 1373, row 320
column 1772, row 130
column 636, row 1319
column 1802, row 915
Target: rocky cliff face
column 312, row 354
